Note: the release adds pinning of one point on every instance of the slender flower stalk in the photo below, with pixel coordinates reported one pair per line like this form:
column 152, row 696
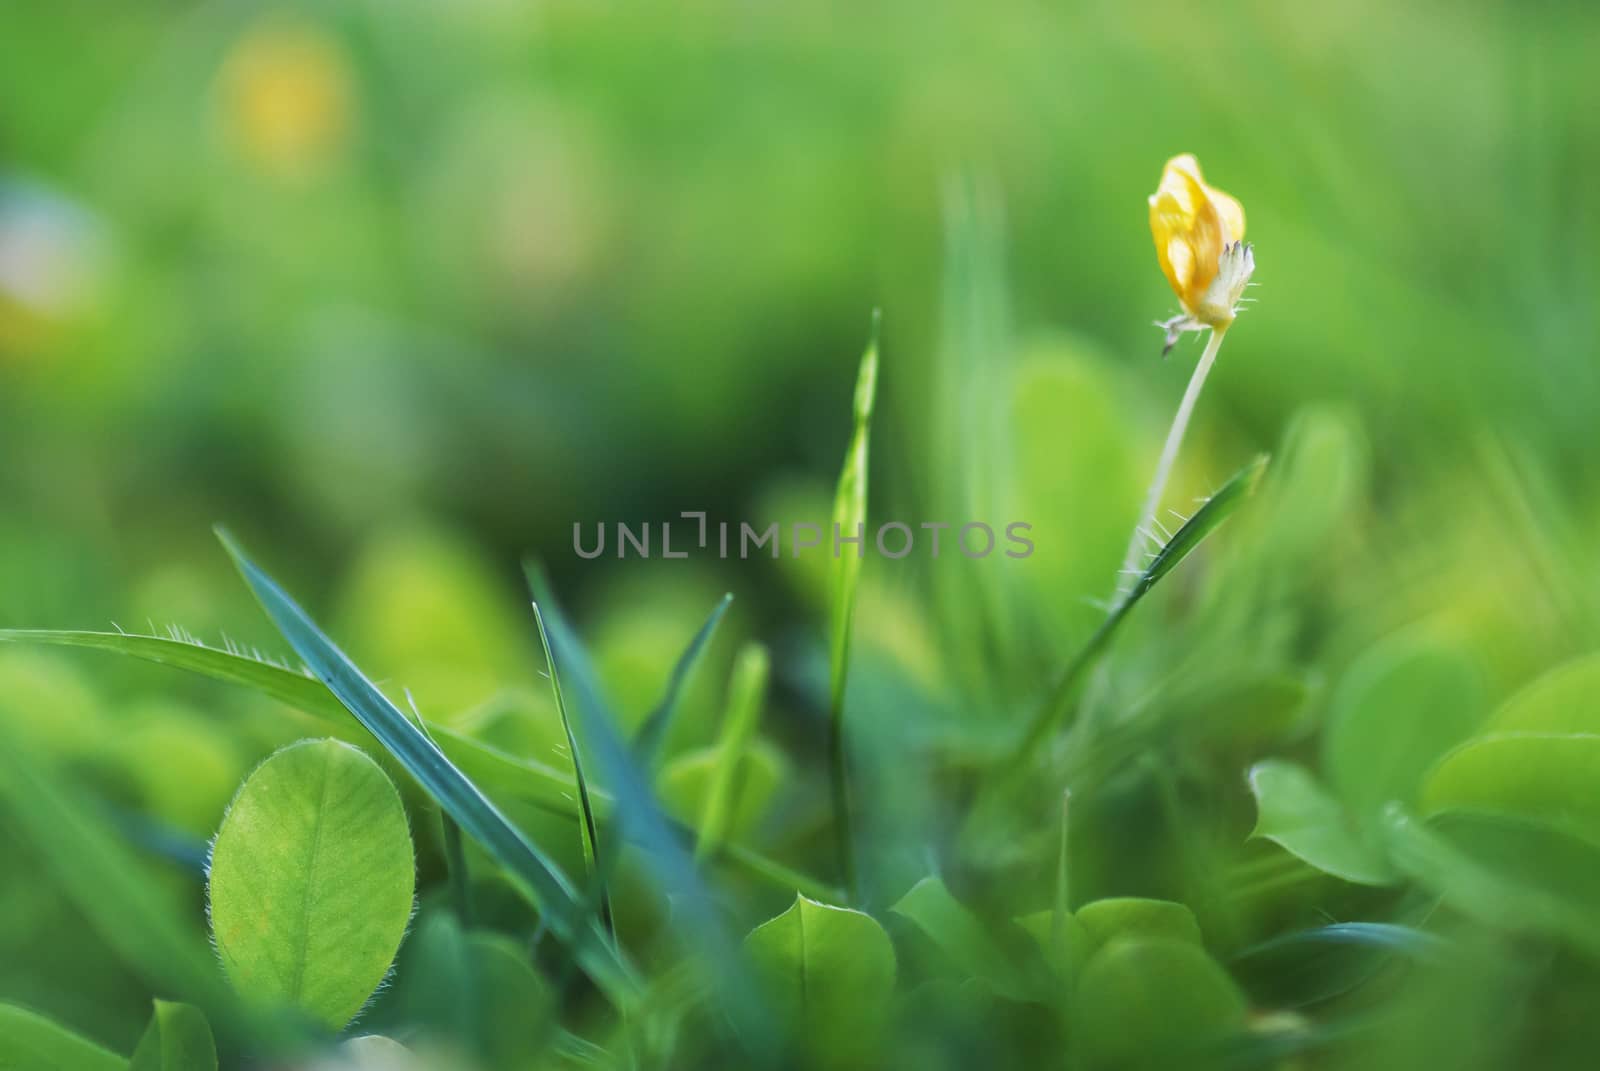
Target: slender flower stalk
column 1169, row 454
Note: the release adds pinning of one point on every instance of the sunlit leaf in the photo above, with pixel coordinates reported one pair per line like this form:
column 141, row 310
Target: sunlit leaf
column 534, row 873
column 1298, row 813
column 831, row 972
column 1551, row 778
column 311, row 880
column 1564, row 700
column 1133, row 916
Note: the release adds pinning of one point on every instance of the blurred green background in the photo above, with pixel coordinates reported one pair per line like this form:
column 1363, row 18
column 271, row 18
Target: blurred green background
column 402, row 291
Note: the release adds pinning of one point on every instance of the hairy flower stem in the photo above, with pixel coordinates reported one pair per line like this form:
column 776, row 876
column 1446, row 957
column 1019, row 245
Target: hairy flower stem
column 1169, row 456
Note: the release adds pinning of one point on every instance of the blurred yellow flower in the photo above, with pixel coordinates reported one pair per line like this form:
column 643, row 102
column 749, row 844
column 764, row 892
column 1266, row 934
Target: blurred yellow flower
column 1199, row 236
column 286, row 97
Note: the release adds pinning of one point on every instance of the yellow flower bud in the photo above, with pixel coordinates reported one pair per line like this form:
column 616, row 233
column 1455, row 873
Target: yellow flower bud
column 1199, row 236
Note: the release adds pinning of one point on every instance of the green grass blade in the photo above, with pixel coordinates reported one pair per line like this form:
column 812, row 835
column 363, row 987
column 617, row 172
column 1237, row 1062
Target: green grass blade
column 1216, row 509
column 537, row 876
column 526, row 779
column 588, row 831
column 641, row 820
column 548, row 788
column 746, row 693
column 455, row 852
column 849, row 516
column 647, row 743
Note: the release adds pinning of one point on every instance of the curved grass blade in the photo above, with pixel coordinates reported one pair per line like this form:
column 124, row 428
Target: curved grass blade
column 586, row 826
column 642, row 821
column 1216, row 509
column 526, row 779
column 745, row 695
column 537, row 876
column 1310, row 966
column 541, row 785
column 647, row 742
column 849, row 515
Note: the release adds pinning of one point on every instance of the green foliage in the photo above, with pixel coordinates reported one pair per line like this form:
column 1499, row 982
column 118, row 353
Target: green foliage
column 1104, row 920
column 1298, row 813
column 129, row 908
column 1149, row 1002
column 754, row 779
column 730, row 779
column 849, row 519
column 1400, row 707
column 961, row 937
column 1205, row 520
column 831, row 974
column 177, row 1039
column 541, row 880
column 30, row 1042
column 311, row 880
column 415, row 288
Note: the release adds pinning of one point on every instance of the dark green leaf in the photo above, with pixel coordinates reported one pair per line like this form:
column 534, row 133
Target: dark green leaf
column 1143, row 1002
column 958, row 933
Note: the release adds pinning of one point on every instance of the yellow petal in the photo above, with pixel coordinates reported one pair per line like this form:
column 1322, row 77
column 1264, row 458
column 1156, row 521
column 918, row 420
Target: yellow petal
column 1191, row 222
column 1231, row 214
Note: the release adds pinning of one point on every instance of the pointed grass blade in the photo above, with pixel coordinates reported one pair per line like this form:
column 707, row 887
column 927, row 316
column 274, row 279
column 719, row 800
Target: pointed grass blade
column 849, row 515
column 1216, row 509
column 536, row 875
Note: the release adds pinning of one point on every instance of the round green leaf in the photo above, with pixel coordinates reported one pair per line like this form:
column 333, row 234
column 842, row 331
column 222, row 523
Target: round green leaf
column 830, row 972
column 1565, row 700
column 1551, row 778
column 1297, row 812
column 177, row 1039
column 1400, row 706
column 1132, row 916
column 1139, row 1000
column 311, row 880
